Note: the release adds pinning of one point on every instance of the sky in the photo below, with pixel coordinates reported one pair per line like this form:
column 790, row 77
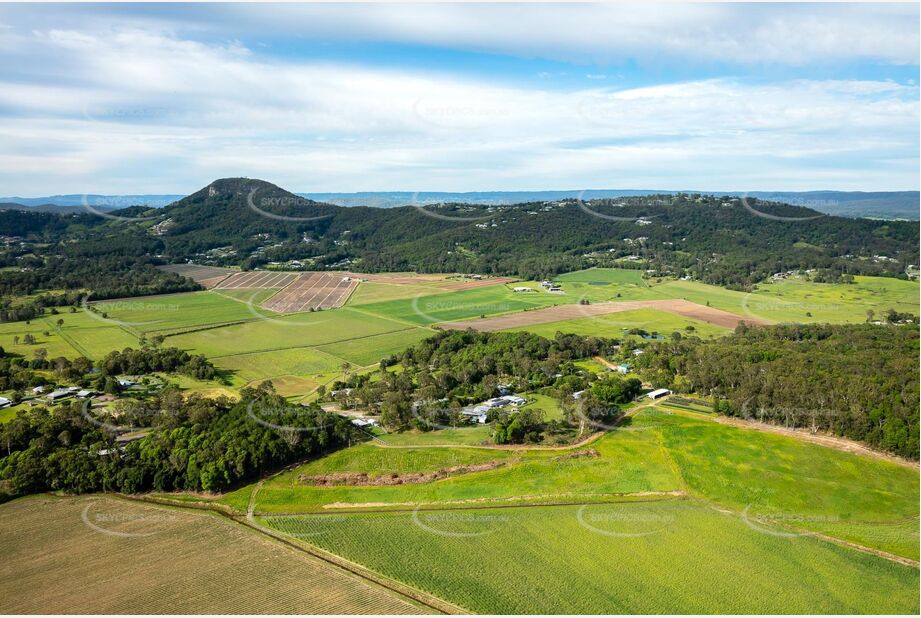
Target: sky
column 165, row 98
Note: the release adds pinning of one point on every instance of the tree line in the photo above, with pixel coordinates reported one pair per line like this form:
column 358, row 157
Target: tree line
column 193, row 444
column 859, row 381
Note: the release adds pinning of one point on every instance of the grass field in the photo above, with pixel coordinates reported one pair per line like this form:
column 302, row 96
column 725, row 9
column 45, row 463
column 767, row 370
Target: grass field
column 372, row 292
column 294, row 331
column 58, row 559
column 370, row 350
column 791, row 300
column 464, row 304
column 627, row 463
column 54, row 343
column 171, row 312
column 615, row 324
column 778, row 477
column 655, row 557
column 772, row 476
column 296, row 361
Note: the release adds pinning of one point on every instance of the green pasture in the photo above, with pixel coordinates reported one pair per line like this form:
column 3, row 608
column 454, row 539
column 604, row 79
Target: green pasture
column 461, row 305
column 369, row 292
column 54, row 343
column 295, row 361
column 628, row 462
column 370, row 350
column 615, row 325
column 291, row 331
column 666, row 556
column 789, row 480
column 171, row 312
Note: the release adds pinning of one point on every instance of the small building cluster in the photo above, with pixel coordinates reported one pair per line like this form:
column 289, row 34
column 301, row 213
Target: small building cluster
column 479, row 411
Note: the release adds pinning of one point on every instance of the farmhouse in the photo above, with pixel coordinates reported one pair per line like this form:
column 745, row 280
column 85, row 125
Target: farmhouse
column 4, row 402
column 659, row 392
column 622, row 368
column 475, row 414
column 85, row 393
column 38, row 390
column 126, row 383
column 60, row 393
column 364, row 422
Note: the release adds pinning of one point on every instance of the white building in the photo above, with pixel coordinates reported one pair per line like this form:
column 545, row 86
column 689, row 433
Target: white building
column 4, row 402
column 659, row 392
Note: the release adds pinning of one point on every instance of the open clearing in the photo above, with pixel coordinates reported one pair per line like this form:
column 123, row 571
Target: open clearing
column 312, row 291
column 571, row 312
column 59, row 559
column 294, row 331
column 668, row 556
column 615, row 325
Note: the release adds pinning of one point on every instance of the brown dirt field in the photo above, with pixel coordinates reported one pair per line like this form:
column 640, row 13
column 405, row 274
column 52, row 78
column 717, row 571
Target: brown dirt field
column 312, row 290
column 257, row 280
column 60, row 556
column 212, row 282
column 573, row 312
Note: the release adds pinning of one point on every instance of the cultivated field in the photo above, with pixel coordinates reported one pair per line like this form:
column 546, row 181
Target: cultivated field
column 573, row 312
column 106, row 555
column 312, row 291
column 256, row 280
column 208, row 276
column 700, row 516
column 669, row 556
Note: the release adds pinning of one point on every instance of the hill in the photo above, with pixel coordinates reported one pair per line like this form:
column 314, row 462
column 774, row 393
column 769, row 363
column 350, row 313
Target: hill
column 716, row 239
column 255, row 224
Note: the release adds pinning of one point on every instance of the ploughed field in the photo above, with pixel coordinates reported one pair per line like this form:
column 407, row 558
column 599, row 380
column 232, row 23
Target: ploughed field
column 101, row 555
column 312, row 291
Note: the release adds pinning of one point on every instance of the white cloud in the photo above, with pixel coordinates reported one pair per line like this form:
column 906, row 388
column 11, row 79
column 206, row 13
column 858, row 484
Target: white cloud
column 135, row 110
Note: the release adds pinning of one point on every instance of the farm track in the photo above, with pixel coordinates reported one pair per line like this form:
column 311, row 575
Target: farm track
column 559, row 313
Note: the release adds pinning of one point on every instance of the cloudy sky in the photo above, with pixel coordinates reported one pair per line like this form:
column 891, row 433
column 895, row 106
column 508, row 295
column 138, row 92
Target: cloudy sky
column 348, row 97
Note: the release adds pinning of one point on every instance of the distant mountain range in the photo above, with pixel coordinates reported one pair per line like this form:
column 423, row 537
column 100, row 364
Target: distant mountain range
column 878, row 204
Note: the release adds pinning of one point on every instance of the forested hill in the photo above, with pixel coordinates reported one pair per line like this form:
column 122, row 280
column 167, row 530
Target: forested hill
column 251, row 223
column 717, row 239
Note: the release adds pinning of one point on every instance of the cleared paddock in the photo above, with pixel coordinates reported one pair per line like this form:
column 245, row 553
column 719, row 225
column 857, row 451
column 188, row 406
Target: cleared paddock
column 559, row 313
column 257, row 280
column 312, row 291
column 208, row 276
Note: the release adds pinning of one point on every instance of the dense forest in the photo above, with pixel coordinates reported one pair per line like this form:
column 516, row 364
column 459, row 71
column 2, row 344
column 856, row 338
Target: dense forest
column 858, row 381
column 252, row 223
column 193, row 444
